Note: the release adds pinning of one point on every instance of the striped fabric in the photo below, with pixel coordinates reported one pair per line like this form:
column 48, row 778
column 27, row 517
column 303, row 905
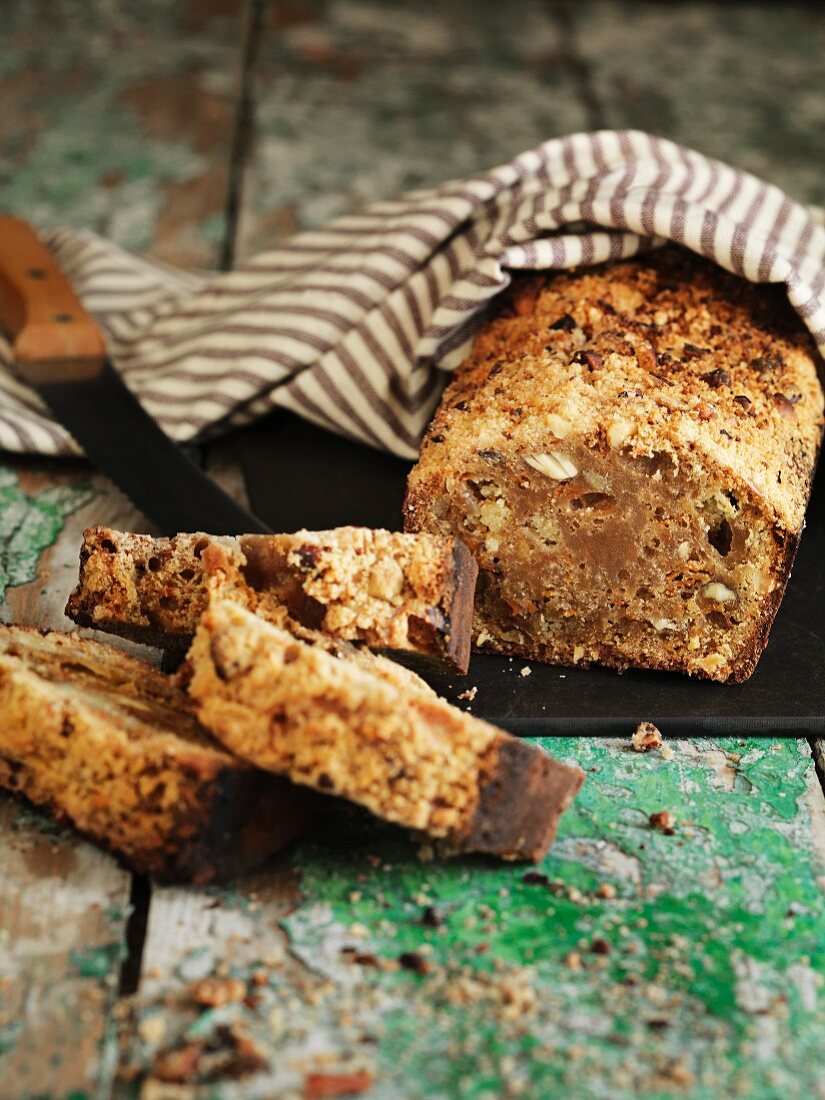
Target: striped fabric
column 353, row 325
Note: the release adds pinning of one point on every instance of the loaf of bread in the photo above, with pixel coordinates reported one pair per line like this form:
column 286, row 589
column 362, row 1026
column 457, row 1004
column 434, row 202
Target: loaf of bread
column 111, row 745
column 333, row 721
column 628, row 452
column 407, row 594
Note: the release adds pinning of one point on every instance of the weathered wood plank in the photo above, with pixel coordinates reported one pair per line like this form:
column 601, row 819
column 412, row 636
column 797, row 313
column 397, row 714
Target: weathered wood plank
column 63, row 912
column 118, row 117
column 64, row 904
column 360, row 101
column 214, row 933
column 203, row 946
column 684, row 962
column 46, row 506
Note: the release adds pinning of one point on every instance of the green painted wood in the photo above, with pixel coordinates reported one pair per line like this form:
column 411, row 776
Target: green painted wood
column 359, row 101
column 30, row 522
column 64, row 904
column 703, row 975
column 118, row 117
column 632, row 962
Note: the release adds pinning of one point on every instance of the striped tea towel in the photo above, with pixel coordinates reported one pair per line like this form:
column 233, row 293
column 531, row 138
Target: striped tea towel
column 353, row 325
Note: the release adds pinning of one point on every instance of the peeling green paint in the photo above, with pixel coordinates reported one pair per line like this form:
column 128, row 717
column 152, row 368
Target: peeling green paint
column 8, row 1035
column 98, row 962
column 118, row 119
column 702, row 976
column 30, row 524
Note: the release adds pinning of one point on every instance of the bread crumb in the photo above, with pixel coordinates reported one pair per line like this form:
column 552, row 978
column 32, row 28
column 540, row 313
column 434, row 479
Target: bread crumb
column 646, row 737
column 526, row 670
column 215, row 992
column 469, row 694
column 663, row 820
column 606, row 890
column 152, row 1029
column 573, row 961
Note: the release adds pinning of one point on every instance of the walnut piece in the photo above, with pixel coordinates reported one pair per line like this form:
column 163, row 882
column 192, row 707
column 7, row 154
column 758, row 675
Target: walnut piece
column 646, row 737
column 619, row 432
column 715, row 590
column 557, row 425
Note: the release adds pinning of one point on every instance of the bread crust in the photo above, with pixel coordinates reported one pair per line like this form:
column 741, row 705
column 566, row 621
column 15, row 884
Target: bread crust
column 107, row 743
column 593, row 399
column 328, row 721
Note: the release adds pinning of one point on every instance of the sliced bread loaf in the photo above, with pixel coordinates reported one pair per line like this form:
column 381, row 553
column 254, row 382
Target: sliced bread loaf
column 332, row 721
column 111, row 745
column 628, row 452
column 409, row 594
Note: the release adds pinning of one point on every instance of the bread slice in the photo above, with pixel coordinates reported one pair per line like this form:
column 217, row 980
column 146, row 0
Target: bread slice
column 628, row 453
column 111, row 745
column 332, row 722
column 408, row 594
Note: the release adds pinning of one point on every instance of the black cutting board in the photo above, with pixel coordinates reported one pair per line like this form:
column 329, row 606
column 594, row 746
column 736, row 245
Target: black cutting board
column 300, row 476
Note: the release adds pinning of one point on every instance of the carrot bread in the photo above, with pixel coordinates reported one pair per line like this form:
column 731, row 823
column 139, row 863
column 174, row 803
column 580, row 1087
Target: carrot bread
column 329, row 722
column 112, row 745
column 628, row 452
column 411, row 594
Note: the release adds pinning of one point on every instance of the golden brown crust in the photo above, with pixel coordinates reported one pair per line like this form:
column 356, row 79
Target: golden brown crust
column 111, row 745
column 332, row 723
column 639, row 438
column 401, row 593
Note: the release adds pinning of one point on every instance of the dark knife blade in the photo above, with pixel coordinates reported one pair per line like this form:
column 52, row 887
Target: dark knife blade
column 61, row 353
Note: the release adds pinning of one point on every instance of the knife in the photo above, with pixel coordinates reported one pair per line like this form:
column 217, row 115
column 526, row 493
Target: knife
column 60, row 352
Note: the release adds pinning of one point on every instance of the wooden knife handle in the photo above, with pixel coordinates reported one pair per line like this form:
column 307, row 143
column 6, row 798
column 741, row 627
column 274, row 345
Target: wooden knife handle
column 53, row 337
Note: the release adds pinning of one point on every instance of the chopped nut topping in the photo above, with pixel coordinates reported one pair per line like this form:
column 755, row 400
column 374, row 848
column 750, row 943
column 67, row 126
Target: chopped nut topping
column 784, row 406
column 557, row 425
column 618, row 432
column 590, row 359
column 553, row 465
column 646, row 737
column 719, row 592
column 691, row 351
column 767, row 363
column 717, row 378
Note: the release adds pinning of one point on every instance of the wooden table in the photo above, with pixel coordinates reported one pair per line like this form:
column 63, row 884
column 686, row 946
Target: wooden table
column 633, row 961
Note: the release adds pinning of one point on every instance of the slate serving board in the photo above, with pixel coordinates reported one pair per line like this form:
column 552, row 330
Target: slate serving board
column 300, row 476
